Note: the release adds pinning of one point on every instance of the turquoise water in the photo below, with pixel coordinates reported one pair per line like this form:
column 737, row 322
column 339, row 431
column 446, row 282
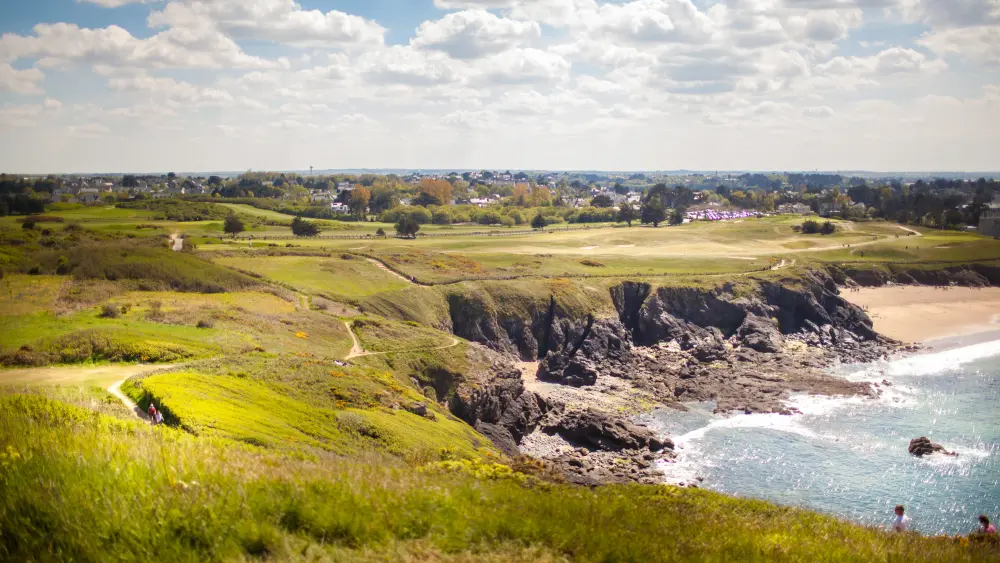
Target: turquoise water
column 848, row 457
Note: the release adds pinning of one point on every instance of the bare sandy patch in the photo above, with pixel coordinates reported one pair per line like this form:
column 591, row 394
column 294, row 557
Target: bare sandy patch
column 919, row 313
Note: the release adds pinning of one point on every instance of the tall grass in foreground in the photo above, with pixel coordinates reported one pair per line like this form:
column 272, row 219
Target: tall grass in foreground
column 75, row 485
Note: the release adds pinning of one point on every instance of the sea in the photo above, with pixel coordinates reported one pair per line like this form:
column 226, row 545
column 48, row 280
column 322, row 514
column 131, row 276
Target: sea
column 848, row 456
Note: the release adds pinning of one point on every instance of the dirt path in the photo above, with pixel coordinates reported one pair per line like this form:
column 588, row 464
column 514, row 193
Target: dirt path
column 381, row 266
column 117, row 392
column 782, row 265
column 909, row 230
column 115, row 389
column 358, row 352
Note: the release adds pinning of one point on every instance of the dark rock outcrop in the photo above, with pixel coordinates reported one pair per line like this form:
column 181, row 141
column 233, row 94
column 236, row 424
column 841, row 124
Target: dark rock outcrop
column 923, row 446
column 499, row 399
column 597, row 430
column 584, row 352
column 762, row 335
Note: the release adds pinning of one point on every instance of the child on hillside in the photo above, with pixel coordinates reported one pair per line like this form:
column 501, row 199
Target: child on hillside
column 900, row 523
column 985, row 527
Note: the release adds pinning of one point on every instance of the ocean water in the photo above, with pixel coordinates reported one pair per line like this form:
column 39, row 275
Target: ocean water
column 848, row 456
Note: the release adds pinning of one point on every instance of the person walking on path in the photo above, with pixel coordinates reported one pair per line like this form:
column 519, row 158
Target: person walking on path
column 151, row 411
column 985, row 527
column 901, row 522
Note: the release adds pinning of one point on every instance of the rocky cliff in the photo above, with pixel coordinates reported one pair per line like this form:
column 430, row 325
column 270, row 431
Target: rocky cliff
column 746, row 346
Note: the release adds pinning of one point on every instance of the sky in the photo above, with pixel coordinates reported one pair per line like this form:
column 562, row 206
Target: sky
column 228, row 85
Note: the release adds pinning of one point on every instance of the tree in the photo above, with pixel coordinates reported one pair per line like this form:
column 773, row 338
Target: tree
column 380, row 232
column 538, row 222
column 303, row 228
column 828, row 228
column 407, row 227
column 214, row 181
column 602, row 201
column 425, row 199
column 233, row 226
column 653, row 212
column 358, row 204
column 628, row 213
column 677, row 217
column 438, row 189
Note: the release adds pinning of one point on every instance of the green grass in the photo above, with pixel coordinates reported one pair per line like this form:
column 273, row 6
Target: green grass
column 335, row 277
column 379, row 335
column 303, row 405
column 157, row 326
column 79, row 486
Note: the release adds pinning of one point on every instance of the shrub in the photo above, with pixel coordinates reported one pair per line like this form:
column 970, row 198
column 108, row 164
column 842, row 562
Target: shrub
column 109, row 311
column 810, row 227
column 28, row 225
column 828, row 228
column 155, row 311
column 592, row 264
column 206, row 323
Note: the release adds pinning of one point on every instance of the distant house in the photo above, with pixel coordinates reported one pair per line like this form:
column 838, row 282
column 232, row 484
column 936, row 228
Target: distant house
column 830, row 209
column 339, row 208
column 89, row 195
column 989, row 221
column 795, row 208
column 345, row 187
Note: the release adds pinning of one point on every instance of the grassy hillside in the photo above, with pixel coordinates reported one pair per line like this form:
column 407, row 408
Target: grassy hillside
column 343, row 278
column 122, row 490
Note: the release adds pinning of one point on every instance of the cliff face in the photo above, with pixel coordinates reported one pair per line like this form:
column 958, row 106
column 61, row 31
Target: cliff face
column 746, row 346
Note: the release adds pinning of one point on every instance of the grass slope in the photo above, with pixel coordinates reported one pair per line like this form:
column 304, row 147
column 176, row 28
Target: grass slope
column 79, row 486
column 303, row 404
column 339, row 278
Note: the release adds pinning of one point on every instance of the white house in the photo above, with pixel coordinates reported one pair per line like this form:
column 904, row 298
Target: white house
column 339, row 208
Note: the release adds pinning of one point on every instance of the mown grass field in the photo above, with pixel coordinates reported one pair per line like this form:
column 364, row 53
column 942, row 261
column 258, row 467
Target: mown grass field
column 123, row 490
column 347, row 279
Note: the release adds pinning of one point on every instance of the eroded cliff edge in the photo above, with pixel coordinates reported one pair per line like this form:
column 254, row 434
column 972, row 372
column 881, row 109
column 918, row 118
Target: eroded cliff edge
column 606, row 351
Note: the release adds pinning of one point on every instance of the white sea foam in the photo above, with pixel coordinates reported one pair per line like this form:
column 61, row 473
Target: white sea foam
column 937, row 362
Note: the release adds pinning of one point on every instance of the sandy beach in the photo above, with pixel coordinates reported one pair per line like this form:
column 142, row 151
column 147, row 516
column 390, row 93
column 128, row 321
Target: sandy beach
column 921, row 314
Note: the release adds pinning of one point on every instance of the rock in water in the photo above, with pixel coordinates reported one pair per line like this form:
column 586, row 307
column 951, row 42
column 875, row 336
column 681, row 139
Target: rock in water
column 923, row 446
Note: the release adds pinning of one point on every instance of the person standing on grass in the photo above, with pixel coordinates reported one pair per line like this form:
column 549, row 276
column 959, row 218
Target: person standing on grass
column 985, row 527
column 901, row 522
column 151, row 411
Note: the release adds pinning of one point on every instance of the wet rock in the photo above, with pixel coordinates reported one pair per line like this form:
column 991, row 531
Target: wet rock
column 923, row 446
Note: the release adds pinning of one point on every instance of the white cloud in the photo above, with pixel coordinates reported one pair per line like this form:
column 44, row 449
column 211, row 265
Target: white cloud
column 89, row 130
column 980, row 44
column 57, row 44
column 895, row 60
column 818, row 111
column 20, row 81
column 164, row 87
column 474, row 33
column 523, row 66
column 954, row 13
column 28, row 115
column 405, row 65
column 114, row 3
column 281, row 21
